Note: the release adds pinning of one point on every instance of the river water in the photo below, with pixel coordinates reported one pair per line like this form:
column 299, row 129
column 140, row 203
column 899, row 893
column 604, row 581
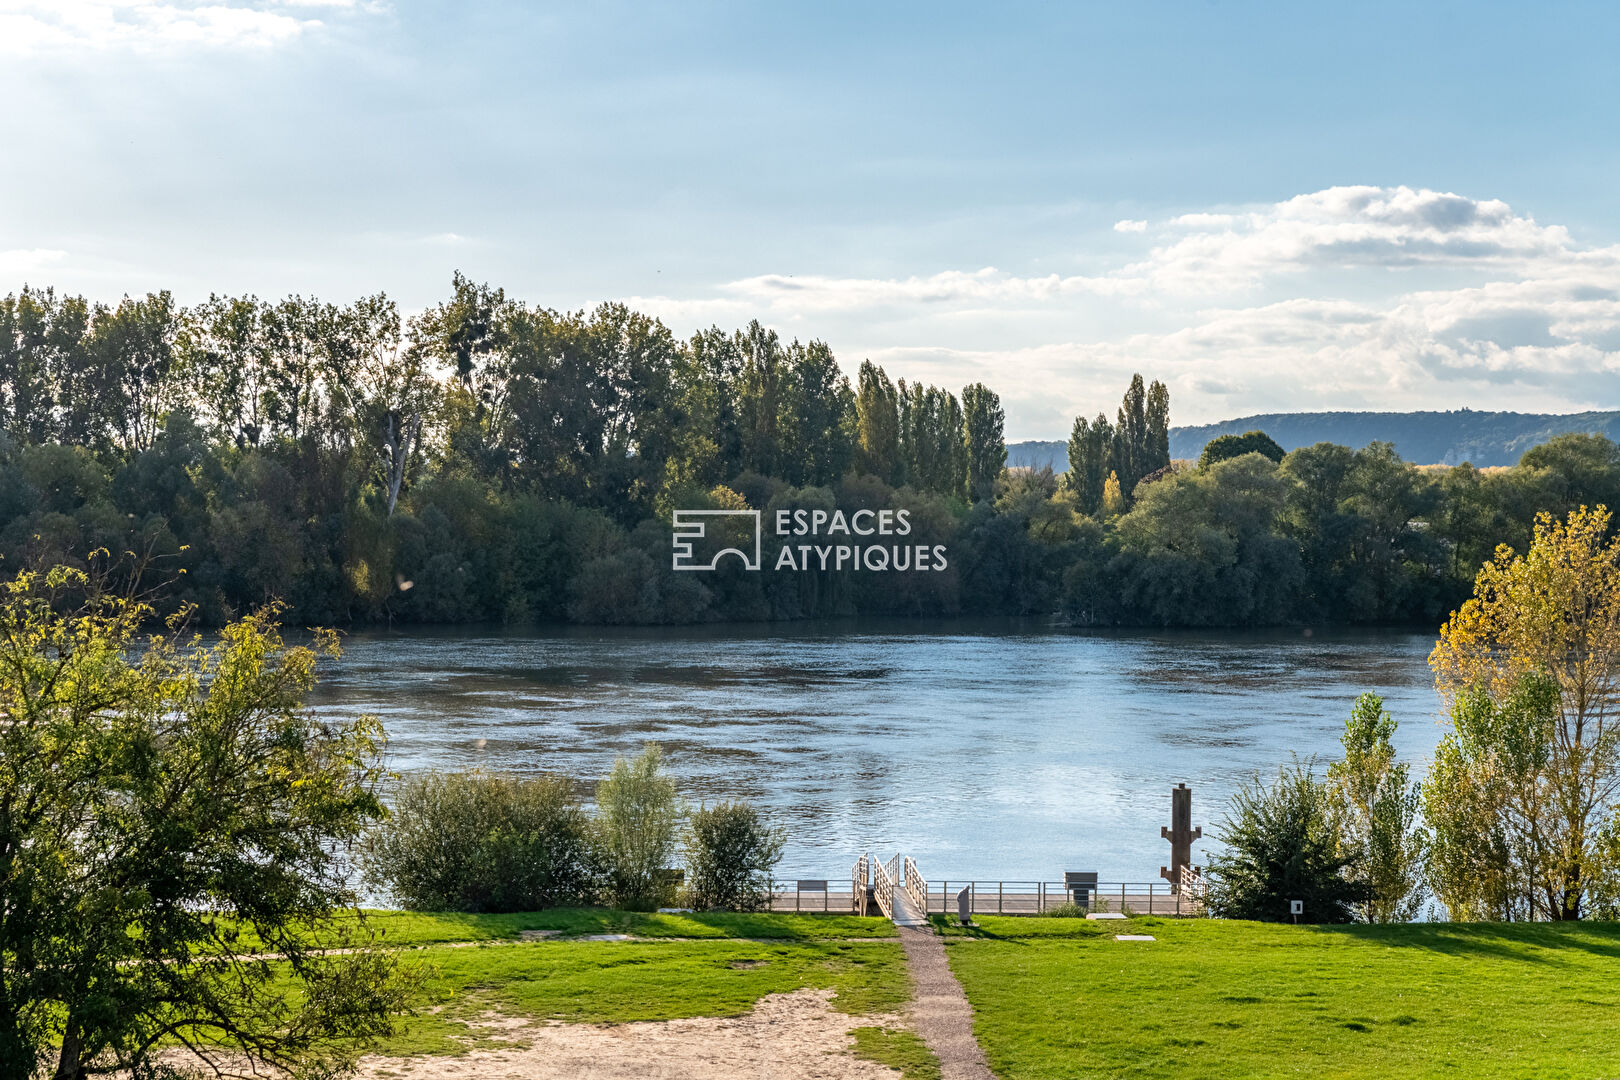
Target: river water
column 984, row 750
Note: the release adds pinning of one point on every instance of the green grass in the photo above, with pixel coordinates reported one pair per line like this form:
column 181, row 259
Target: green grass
column 1214, row 999
column 625, row 981
column 898, row 1049
column 412, row 928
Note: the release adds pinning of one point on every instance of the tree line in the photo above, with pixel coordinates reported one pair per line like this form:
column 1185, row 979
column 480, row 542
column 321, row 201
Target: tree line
column 1518, row 817
column 490, row 459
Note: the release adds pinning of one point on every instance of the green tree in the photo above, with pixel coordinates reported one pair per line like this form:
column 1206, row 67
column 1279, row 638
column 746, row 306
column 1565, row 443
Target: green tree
column 982, row 426
column 1158, row 428
column 45, row 371
column 730, row 853
column 1486, row 802
column 759, row 398
column 1091, row 449
column 1550, row 614
column 931, row 443
column 466, row 332
column 1131, row 460
column 1379, row 808
column 1226, row 447
column 156, row 801
column 482, row 842
column 1285, row 841
column 135, row 348
column 1203, row 548
column 877, row 409
column 817, row 424
column 227, row 353
column 638, row 816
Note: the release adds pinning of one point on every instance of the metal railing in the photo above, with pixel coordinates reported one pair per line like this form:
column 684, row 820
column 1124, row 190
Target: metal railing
column 916, row 885
column 883, row 875
column 1041, row 897
column 1185, row 899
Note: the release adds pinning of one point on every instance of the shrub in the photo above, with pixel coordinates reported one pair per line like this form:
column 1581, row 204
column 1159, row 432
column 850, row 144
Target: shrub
column 638, row 815
column 481, row 842
column 730, row 853
column 1065, row 911
column 1284, row 842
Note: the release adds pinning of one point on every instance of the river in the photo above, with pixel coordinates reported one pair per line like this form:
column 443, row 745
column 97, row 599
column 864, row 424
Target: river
column 983, row 749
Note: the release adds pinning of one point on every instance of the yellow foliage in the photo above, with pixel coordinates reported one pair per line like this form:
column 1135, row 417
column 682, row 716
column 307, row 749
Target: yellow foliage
column 1534, row 785
column 1113, row 500
column 1555, row 610
column 726, row 499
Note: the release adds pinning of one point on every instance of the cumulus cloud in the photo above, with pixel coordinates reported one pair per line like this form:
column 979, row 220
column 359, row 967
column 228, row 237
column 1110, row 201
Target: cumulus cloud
column 30, row 27
column 1348, row 228
column 1130, row 226
column 1350, row 297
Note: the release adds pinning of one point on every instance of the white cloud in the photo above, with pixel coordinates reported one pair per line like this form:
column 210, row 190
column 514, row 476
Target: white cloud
column 29, row 27
column 1347, row 228
column 20, row 262
column 1128, row 225
column 1351, row 297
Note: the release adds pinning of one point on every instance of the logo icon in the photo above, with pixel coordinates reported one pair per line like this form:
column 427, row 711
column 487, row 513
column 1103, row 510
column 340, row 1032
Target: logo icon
column 729, row 528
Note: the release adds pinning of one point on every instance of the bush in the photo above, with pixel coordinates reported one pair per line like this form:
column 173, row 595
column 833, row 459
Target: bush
column 1066, row 911
column 1284, row 842
column 730, row 853
column 638, row 817
column 486, row 843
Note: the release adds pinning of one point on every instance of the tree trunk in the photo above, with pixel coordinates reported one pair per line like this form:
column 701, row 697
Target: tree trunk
column 399, row 443
column 69, row 1065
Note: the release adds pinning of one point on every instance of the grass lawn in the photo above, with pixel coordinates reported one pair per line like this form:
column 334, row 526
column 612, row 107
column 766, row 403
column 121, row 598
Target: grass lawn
column 412, row 928
column 653, row 980
column 1061, row 998
column 415, row 928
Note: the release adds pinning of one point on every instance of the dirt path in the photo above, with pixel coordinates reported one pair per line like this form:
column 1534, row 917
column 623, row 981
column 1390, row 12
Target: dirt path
column 941, row 1013
column 795, row 1035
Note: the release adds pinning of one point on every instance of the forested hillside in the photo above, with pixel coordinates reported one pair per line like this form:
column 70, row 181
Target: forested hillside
column 491, row 459
column 1428, row 438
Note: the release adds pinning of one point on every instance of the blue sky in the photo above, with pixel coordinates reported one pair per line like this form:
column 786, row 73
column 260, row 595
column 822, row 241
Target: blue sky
column 1267, row 206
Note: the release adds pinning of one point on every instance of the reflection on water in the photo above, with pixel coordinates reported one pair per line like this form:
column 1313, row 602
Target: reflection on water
column 983, row 749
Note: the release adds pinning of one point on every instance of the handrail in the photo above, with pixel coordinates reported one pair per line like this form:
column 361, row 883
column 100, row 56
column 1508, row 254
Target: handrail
column 1032, row 897
column 883, row 886
column 916, row 885
column 860, row 877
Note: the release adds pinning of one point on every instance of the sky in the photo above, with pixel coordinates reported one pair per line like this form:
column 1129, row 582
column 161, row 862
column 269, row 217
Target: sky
column 1269, row 207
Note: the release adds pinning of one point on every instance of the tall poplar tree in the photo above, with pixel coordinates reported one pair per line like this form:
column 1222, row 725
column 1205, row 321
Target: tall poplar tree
column 1091, row 451
column 877, row 412
column 983, row 423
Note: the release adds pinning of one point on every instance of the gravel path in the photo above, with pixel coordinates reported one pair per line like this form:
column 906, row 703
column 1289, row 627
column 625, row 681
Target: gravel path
column 941, row 1012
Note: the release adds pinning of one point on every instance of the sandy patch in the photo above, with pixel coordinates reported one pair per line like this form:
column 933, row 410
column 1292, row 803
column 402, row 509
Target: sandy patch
column 795, row 1035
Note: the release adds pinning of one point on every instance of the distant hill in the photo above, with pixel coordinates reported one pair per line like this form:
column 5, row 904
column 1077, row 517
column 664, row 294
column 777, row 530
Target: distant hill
column 1428, row 438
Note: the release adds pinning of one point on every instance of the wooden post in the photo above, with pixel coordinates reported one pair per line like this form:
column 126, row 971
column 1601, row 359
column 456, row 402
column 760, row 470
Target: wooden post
column 1181, row 834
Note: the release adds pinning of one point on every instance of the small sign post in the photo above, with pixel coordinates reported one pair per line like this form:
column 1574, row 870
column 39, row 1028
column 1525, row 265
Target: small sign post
column 1296, row 908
